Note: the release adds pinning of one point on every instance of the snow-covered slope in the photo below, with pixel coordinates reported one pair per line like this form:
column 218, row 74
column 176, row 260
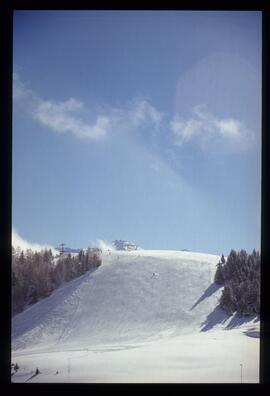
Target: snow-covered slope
column 130, row 297
column 134, row 298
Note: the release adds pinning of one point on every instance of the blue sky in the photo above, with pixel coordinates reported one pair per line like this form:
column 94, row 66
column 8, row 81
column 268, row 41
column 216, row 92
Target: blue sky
column 143, row 126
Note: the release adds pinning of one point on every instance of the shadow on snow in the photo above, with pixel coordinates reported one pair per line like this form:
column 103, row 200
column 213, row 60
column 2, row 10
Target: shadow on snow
column 207, row 293
column 219, row 316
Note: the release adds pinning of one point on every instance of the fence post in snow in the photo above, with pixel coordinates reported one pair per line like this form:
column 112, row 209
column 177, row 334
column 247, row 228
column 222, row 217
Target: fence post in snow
column 68, row 367
column 241, row 365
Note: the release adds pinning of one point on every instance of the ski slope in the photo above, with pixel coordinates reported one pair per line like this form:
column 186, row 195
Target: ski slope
column 143, row 316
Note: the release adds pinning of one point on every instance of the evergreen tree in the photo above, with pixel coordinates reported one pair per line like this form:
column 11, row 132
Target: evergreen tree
column 219, row 275
column 240, row 275
column 34, row 274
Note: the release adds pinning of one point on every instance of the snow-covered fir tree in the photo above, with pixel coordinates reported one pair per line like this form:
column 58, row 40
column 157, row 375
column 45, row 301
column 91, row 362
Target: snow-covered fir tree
column 240, row 276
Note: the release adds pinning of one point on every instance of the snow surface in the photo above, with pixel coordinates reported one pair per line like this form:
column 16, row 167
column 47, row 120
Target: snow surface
column 143, row 316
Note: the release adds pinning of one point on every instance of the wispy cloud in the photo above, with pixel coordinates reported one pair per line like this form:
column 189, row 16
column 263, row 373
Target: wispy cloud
column 20, row 89
column 66, row 117
column 18, row 241
column 137, row 116
column 205, row 129
column 142, row 111
column 71, row 116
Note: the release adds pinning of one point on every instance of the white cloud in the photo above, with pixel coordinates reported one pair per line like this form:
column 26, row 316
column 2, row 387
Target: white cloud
column 18, row 241
column 230, row 128
column 72, row 117
column 20, row 90
column 205, row 129
column 185, row 130
column 142, row 111
column 138, row 115
column 65, row 117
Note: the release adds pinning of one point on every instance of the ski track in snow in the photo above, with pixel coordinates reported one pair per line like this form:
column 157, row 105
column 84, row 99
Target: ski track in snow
column 143, row 316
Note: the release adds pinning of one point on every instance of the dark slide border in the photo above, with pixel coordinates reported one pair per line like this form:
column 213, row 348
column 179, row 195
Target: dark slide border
column 6, row 194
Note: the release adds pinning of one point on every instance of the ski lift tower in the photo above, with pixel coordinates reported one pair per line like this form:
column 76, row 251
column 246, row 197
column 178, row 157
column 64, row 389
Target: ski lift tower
column 62, row 248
